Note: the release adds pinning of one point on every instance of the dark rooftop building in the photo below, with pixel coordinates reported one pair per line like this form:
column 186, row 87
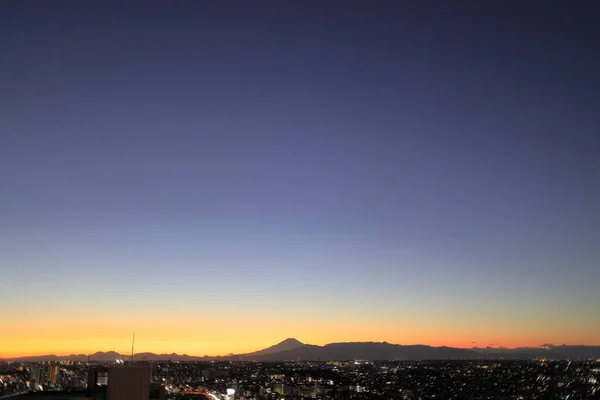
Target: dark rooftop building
column 123, row 382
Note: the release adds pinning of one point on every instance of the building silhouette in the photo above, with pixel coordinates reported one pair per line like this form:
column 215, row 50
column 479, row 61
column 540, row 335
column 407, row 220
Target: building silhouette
column 53, row 373
column 123, row 382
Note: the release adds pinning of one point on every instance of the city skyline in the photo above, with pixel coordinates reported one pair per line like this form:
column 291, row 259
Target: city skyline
column 217, row 176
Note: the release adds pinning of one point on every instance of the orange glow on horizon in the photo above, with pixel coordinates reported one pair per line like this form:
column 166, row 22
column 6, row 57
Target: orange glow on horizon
column 74, row 331
column 217, row 337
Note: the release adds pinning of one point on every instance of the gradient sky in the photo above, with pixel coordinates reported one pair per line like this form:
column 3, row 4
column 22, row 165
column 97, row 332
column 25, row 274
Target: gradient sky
column 218, row 176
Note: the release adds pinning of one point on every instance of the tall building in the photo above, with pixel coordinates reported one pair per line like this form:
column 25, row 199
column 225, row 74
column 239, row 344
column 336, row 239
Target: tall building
column 123, row 382
column 53, row 372
column 35, row 373
column 282, row 389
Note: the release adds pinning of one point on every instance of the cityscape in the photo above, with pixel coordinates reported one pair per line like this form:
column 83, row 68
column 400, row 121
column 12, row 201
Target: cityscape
column 278, row 372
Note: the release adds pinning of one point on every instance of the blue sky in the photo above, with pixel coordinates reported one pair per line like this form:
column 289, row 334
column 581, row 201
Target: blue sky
column 324, row 156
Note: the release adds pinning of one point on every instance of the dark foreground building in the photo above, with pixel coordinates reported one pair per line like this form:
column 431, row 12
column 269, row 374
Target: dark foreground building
column 123, row 382
column 117, row 382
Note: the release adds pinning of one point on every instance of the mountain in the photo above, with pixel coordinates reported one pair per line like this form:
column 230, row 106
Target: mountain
column 99, row 356
column 286, row 345
column 292, row 349
column 551, row 351
column 368, row 351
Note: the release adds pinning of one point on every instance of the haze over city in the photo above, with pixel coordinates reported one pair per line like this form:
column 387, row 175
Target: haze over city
column 218, row 176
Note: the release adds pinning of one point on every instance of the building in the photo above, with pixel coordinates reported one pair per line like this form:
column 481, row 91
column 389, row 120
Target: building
column 282, row 389
column 123, row 382
column 53, row 373
column 35, row 373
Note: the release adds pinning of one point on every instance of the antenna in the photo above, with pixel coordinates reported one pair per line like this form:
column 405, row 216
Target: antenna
column 132, row 344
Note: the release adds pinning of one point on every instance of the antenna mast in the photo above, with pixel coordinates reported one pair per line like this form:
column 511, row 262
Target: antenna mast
column 132, row 344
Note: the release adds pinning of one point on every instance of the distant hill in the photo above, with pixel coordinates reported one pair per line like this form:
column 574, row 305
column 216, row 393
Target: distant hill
column 293, row 349
column 286, row 345
column 99, row 356
column 553, row 352
column 368, row 351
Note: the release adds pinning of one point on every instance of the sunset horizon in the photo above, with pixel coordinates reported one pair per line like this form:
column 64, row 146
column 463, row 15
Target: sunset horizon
column 124, row 350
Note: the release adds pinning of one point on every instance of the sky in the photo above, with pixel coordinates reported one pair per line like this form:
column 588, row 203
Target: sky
column 219, row 176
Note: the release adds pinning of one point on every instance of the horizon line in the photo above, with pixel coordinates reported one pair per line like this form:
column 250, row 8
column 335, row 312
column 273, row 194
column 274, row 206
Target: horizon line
column 546, row 345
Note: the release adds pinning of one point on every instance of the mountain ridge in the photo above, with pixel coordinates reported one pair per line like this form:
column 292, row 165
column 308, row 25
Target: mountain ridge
column 293, row 349
column 287, row 344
